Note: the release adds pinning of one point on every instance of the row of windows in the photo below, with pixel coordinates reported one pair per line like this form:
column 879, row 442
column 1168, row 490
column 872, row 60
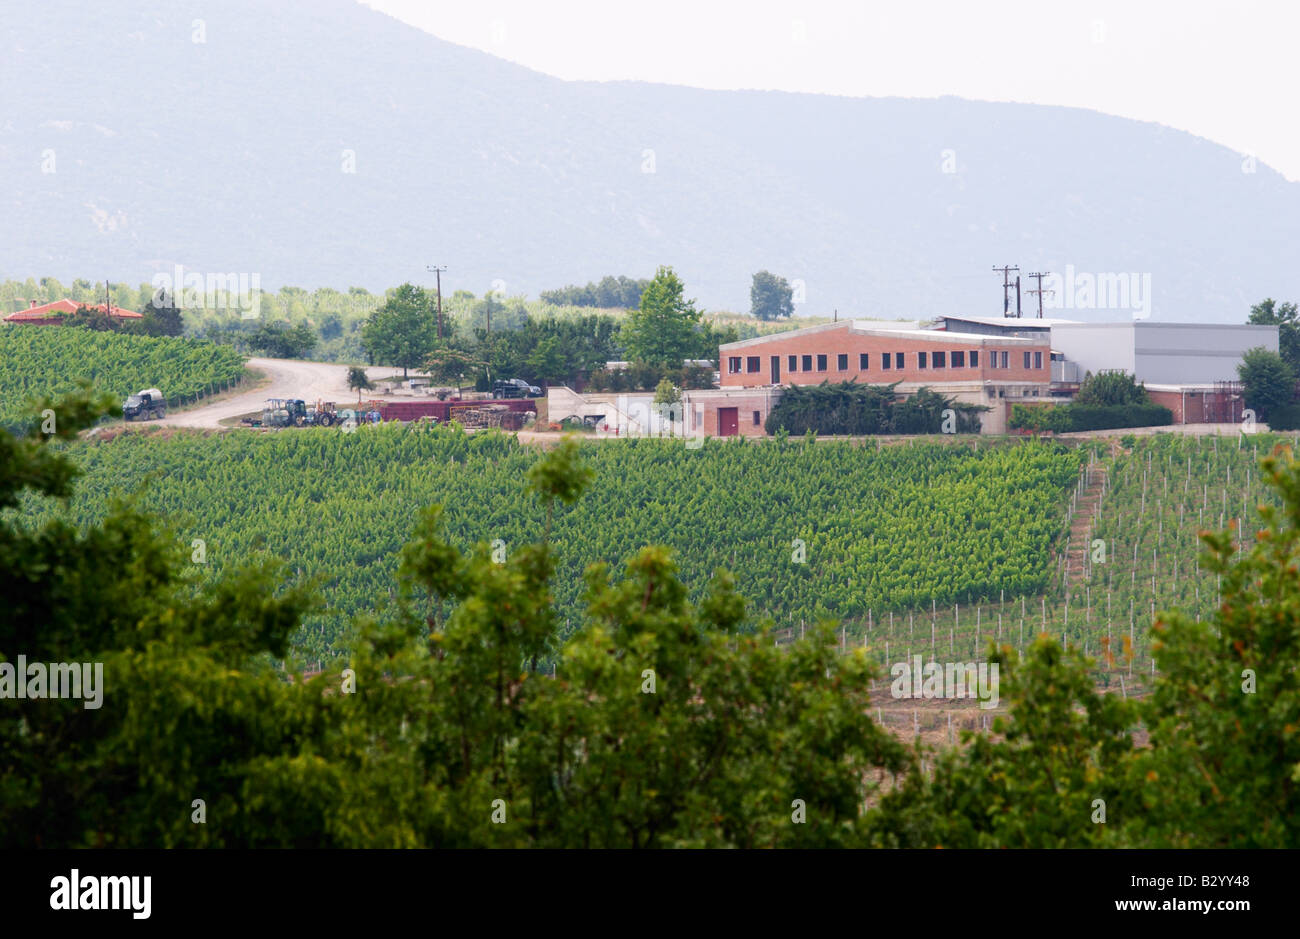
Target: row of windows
column 889, row 361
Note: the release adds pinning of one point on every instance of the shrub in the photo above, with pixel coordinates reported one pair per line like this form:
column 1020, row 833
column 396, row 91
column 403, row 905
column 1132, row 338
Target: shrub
column 1286, row 417
column 1111, row 388
column 1065, row 418
column 853, row 409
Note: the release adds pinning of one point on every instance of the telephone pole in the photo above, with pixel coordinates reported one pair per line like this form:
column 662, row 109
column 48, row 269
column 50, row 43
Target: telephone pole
column 438, row 271
column 1006, row 288
column 1039, row 275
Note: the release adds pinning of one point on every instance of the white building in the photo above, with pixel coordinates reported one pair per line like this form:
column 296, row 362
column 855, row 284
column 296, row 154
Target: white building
column 1155, row 352
column 618, row 413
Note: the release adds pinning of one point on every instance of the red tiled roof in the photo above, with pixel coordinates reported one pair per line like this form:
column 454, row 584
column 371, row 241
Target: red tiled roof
column 65, row 307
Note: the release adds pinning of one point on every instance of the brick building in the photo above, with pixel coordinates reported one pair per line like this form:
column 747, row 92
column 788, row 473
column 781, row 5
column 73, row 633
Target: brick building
column 991, row 370
column 53, row 314
column 728, row 412
column 1218, row 403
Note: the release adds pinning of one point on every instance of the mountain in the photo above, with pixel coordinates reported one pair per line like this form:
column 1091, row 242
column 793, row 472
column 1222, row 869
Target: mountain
column 228, row 155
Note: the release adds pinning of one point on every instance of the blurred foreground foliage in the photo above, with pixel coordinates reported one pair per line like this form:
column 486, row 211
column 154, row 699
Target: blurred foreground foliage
column 663, row 725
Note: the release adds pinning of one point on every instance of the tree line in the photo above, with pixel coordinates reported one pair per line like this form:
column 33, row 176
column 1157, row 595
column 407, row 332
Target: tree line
column 658, row 338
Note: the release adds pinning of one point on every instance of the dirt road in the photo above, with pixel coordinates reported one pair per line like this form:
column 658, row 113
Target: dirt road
column 288, row 378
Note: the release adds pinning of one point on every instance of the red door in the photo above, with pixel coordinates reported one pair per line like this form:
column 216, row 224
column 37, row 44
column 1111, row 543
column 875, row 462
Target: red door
column 727, row 422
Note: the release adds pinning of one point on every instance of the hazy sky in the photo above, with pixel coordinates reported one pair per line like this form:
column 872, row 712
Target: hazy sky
column 1225, row 71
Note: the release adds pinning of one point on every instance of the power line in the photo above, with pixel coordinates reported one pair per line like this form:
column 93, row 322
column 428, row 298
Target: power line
column 1006, row 288
column 434, row 269
column 1039, row 275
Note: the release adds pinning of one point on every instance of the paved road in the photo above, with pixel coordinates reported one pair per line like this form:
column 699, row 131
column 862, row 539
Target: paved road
column 289, row 378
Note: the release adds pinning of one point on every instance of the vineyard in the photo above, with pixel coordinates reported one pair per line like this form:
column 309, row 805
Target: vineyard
column 828, row 530
column 37, row 361
column 930, row 549
column 1136, row 554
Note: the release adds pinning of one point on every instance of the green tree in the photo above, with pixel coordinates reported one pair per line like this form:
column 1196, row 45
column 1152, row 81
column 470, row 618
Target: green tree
column 666, row 392
column 161, row 316
column 612, row 292
column 546, row 361
column 331, row 326
column 448, row 364
column 188, row 705
column 1269, row 382
column 87, row 317
column 1223, row 766
column 662, row 331
column 282, row 341
column 359, row 381
column 1287, row 319
column 668, row 399
column 1111, row 388
column 770, row 297
column 404, row 330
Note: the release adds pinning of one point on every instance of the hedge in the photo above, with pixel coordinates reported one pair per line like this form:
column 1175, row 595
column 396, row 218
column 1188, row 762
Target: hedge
column 1067, row 418
column 1101, row 417
column 1286, row 417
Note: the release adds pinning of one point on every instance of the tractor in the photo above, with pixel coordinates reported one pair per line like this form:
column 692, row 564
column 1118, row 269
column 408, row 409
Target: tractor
column 293, row 412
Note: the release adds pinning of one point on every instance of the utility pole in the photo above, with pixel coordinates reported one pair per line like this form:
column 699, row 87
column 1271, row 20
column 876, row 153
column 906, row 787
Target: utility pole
column 1039, row 275
column 1006, row 288
column 438, row 271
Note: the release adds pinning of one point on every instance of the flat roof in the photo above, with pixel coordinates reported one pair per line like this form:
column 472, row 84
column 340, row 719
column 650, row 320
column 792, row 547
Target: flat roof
column 1160, row 324
column 1023, row 322
column 879, row 328
column 1190, row 386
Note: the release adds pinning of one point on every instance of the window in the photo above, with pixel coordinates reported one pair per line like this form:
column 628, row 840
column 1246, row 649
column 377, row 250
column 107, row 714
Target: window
column 920, row 360
column 807, row 363
column 898, row 360
column 959, row 360
column 842, row 361
column 939, row 358
column 1004, row 359
column 1038, row 360
column 792, row 363
column 821, row 363
column 733, row 365
column 886, row 360
column 756, row 419
column 862, row 361
column 751, row 364
column 974, row 358
column 1027, row 359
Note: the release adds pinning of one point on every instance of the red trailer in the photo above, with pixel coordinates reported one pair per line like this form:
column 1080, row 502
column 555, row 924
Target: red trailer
column 445, row 411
